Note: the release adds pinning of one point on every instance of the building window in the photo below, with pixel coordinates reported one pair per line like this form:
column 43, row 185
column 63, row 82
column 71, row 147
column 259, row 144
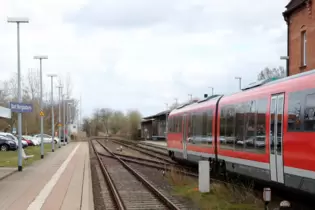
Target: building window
column 303, row 49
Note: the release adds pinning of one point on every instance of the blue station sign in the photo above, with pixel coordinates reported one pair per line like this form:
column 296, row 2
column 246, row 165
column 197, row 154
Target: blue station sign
column 20, row 107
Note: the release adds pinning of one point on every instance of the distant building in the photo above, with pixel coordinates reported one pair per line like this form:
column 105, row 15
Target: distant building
column 300, row 18
column 154, row 127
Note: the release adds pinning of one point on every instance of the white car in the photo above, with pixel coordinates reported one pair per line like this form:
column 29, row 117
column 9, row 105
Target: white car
column 46, row 138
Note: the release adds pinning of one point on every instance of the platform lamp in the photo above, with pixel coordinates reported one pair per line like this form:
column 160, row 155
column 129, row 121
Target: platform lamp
column 52, row 113
column 18, row 21
column 287, row 63
column 239, row 82
column 41, row 58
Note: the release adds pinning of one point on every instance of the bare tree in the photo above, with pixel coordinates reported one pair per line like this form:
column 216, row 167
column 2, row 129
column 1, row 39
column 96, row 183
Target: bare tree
column 106, row 114
column 33, row 79
column 268, row 73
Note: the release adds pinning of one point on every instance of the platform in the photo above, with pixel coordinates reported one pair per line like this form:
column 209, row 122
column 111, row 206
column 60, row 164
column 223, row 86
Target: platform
column 61, row 181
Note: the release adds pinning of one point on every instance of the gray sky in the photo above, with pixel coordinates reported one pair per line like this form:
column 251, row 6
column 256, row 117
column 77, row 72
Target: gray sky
column 125, row 54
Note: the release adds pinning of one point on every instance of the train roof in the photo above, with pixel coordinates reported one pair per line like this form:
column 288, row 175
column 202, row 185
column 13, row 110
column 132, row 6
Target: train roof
column 271, row 81
column 252, row 86
column 211, row 100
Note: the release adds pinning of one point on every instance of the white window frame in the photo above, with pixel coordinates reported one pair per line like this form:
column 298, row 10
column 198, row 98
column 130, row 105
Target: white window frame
column 304, row 54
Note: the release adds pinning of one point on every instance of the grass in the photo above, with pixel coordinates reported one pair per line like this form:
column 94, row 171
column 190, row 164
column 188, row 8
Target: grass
column 222, row 196
column 10, row 158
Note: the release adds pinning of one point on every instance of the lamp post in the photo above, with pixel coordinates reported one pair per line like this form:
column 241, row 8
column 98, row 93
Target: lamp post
column 59, row 117
column 18, row 21
column 211, row 90
column 69, row 119
column 40, row 58
column 64, row 118
column 52, row 113
column 190, row 97
column 287, row 63
column 239, row 82
column 176, row 101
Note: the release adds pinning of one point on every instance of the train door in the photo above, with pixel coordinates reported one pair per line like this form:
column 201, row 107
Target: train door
column 185, row 134
column 276, row 137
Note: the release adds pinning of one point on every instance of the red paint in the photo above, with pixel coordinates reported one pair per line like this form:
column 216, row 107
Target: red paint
column 298, row 147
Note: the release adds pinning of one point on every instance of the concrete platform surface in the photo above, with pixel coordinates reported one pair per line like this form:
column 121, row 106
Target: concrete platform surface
column 4, row 172
column 61, row 181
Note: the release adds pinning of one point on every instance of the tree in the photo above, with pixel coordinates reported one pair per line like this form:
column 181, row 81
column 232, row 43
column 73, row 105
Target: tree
column 105, row 114
column 33, row 79
column 268, row 73
column 134, row 120
column 117, row 121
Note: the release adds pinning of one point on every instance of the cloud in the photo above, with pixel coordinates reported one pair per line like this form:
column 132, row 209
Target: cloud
column 142, row 54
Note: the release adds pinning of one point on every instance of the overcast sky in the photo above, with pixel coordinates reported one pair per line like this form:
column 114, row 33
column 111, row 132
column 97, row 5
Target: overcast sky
column 141, row 54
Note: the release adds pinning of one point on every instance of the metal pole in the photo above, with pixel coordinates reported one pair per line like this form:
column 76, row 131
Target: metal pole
column 41, row 109
column 69, row 112
column 52, row 117
column 20, row 100
column 211, row 90
column 80, row 123
column 52, row 113
column 59, row 117
column 239, row 82
column 64, row 119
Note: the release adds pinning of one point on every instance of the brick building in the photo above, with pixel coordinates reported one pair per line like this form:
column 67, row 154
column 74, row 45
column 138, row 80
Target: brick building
column 300, row 18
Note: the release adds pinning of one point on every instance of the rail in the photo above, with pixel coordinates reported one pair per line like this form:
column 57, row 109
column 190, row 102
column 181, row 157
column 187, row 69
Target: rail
column 149, row 186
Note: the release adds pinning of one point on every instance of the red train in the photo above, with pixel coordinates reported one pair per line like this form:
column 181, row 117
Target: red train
column 266, row 131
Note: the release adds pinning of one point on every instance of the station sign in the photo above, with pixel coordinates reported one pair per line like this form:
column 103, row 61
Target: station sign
column 20, row 107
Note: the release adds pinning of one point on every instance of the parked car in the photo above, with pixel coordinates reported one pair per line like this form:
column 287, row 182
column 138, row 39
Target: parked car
column 14, row 138
column 7, row 144
column 31, row 140
column 46, row 138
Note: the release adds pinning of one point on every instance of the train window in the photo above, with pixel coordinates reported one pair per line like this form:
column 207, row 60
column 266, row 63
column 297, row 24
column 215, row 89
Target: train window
column 180, row 123
column 222, row 123
column 204, row 123
column 209, row 127
column 209, row 124
column 241, row 109
column 294, row 111
column 199, row 125
column 169, row 124
column 260, row 145
column 229, row 139
column 250, row 126
column 309, row 112
column 189, row 125
column 194, row 124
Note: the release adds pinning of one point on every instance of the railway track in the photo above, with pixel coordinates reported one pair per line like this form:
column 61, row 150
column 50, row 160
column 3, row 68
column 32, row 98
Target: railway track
column 129, row 189
column 156, row 154
column 152, row 164
column 154, row 148
column 166, row 165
